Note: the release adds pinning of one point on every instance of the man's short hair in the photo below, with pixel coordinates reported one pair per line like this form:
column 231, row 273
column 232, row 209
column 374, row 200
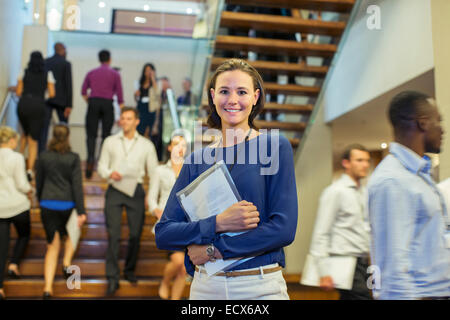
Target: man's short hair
column 104, row 56
column 126, row 109
column 405, row 107
column 348, row 150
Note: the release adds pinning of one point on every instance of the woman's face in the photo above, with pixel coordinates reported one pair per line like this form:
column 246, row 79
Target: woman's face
column 177, row 148
column 234, row 98
column 148, row 72
column 13, row 143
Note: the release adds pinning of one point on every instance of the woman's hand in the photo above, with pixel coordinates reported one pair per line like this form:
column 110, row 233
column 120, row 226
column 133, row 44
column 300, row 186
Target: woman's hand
column 158, row 213
column 81, row 220
column 238, row 217
column 197, row 254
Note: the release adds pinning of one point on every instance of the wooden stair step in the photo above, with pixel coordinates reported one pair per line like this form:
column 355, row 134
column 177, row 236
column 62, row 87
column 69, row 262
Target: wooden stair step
column 95, row 249
column 267, row 22
column 282, row 68
column 290, row 126
column 320, row 5
column 93, row 217
column 275, row 46
column 33, row 288
column 291, row 89
column 88, row 232
column 94, row 267
column 145, row 288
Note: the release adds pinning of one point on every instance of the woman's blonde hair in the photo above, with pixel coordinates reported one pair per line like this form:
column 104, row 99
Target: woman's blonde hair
column 60, row 141
column 7, row 133
column 214, row 120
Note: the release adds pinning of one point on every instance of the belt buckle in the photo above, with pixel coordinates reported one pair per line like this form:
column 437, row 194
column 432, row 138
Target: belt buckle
column 228, row 274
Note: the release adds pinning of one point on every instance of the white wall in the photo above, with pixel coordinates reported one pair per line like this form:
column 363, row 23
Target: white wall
column 13, row 16
column 375, row 61
column 172, row 57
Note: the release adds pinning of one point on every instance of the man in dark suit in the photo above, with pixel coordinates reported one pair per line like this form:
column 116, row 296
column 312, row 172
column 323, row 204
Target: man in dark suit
column 62, row 102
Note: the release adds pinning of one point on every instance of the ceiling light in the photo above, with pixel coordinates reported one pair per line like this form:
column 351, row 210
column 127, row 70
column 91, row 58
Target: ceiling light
column 146, row 7
column 140, row 20
column 189, row 10
column 101, row 4
column 101, row 20
column 384, row 145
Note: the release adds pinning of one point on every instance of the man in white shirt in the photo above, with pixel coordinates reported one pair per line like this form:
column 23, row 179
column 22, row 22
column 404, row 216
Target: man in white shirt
column 123, row 161
column 342, row 227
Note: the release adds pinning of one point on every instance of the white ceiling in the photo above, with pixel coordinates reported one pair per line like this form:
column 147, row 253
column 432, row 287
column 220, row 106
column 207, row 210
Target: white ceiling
column 369, row 124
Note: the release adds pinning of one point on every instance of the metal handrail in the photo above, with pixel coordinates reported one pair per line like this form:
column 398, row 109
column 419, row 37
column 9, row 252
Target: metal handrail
column 10, row 97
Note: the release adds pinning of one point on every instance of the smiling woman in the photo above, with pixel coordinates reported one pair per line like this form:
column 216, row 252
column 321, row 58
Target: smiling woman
column 268, row 212
column 235, row 86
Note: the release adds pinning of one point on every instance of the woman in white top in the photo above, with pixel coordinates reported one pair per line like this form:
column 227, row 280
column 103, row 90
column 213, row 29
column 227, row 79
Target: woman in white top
column 159, row 190
column 14, row 203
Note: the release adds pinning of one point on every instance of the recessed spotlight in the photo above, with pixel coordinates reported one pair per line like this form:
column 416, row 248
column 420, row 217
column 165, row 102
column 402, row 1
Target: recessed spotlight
column 146, row 7
column 189, row 10
column 384, row 145
column 101, row 4
column 36, row 15
column 140, row 20
column 101, row 20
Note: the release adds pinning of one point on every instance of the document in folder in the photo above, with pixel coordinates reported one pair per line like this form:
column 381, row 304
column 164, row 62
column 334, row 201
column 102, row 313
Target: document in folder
column 128, row 183
column 208, row 195
column 342, row 270
column 73, row 231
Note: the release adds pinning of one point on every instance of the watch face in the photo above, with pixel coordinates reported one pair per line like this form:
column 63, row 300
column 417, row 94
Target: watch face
column 210, row 251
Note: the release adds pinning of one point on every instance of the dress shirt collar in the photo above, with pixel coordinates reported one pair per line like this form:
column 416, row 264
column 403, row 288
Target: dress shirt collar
column 409, row 159
column 122, row 136
column 347, row 181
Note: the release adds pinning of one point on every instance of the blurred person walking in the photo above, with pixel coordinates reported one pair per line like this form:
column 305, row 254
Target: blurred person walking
column 31, row 89
column 59, row 191
column 62, row 101
column 102, row 83
column 15, row 191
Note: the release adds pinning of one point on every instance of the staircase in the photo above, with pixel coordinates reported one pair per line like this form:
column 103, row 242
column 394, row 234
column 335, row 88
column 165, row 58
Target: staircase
column 90, row 258
column 288, row 38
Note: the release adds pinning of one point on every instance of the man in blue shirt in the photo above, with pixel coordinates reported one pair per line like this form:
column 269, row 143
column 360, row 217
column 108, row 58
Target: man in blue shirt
column 409, row 219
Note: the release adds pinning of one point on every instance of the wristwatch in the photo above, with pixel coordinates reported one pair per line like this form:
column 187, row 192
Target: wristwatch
column 210, row 251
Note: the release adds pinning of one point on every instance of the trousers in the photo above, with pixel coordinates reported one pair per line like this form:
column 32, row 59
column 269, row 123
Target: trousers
column 271, row 286
column 359, row 291
column 22, row 224
column 115, row 202
column 99, row 109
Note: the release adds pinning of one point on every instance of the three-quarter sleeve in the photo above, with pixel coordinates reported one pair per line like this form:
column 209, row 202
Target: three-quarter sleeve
column 280, row 226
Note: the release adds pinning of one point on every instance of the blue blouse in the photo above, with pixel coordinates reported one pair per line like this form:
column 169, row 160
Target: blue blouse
column 266, row 178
